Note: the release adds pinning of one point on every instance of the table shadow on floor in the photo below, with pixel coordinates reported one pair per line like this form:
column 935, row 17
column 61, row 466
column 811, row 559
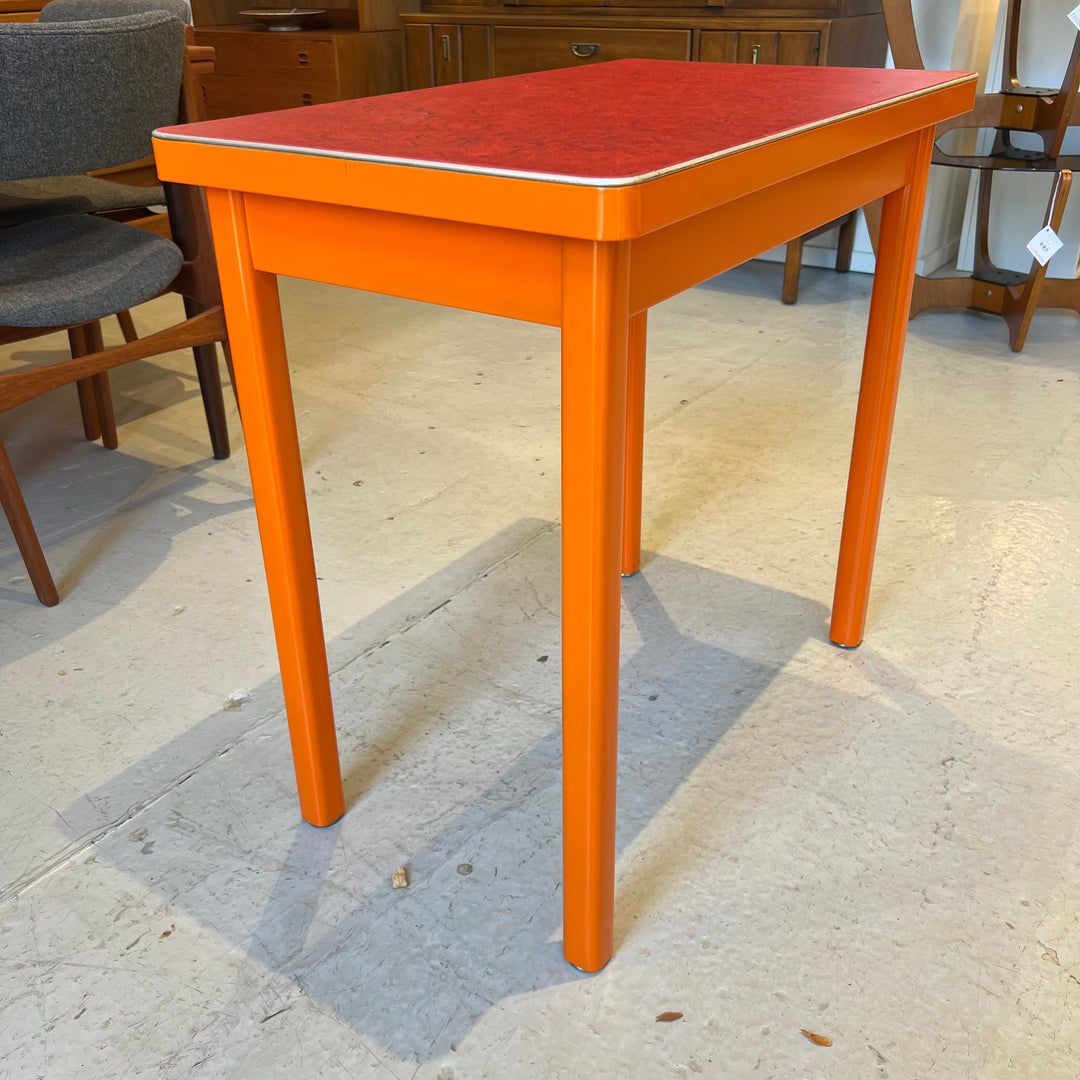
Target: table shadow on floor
column 414, row 969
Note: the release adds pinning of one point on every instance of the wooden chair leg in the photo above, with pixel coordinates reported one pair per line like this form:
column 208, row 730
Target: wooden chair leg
column 206, row 365
column 88, row 407
column 95, row 400
column 103, row 397
column 127, row 326
column 845, row 242
column 102, row 394
column 91, row 421
column 25, row 537
column 209, row 372
column 792, row 266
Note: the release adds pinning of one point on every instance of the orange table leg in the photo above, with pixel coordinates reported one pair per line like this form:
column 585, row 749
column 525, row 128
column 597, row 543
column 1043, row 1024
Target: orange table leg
column 261, row 369
column 901, row 226
column 594, row 351
column 635, row 444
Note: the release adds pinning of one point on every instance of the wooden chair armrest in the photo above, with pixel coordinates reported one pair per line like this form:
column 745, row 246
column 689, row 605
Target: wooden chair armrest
column 140, row 173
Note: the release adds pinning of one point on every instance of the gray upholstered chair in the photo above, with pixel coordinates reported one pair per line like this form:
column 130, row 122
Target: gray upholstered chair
column 132, row 194
column 121, row 78
column 25, row 200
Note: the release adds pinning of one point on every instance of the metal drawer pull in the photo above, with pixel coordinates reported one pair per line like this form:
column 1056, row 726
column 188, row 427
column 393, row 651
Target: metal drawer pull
column 585, row 50
column 446, row 47
column 756, row 54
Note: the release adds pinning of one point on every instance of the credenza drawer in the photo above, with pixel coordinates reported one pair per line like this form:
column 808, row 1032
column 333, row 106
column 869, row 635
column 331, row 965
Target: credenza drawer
column 227, row 95
column 272, row 56
column 760, row 47
column 519, row 49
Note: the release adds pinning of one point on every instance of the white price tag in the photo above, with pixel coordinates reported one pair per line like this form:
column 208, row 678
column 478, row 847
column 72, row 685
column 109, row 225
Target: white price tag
column 1044, row 245
column 1074, row 16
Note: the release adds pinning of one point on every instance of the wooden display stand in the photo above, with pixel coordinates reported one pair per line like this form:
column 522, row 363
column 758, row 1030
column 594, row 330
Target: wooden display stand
column 353, row 50
column 1039, row 111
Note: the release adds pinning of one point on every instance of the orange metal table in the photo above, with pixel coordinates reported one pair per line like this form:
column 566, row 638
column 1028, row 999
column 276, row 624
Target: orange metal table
column 579, row 199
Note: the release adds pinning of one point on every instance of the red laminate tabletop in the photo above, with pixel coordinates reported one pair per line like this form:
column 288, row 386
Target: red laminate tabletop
column 608, row 124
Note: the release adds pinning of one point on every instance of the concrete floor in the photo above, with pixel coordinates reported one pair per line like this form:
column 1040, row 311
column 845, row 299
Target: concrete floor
column 878, row 846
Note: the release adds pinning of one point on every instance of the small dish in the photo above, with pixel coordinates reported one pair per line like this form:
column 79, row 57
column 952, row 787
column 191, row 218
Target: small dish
column 282, row 18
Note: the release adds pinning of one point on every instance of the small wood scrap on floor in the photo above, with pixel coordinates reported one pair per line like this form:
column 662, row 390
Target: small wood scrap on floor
column 1050, row 955
column 400, row 880
column 667, row 1017
column 817, row 1040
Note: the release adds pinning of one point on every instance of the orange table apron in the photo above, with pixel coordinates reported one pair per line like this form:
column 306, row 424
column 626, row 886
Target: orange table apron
column 453, row 196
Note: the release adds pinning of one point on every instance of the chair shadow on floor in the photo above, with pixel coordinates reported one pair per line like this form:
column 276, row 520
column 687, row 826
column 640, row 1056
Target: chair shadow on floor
column 461, row 708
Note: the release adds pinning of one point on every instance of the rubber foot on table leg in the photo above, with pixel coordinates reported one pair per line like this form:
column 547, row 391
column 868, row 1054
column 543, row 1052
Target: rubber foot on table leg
column 633, row 573
column 584, row 971
column 846, row 648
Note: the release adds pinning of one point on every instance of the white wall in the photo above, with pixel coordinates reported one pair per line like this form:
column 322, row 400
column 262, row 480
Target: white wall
column 957, row 35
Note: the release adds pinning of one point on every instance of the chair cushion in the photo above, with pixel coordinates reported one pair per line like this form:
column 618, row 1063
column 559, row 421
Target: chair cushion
column 60, row 271
column 27, row 200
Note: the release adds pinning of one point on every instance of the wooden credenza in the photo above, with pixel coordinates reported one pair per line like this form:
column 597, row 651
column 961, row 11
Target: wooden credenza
column 451, row 42
column 353, row 49
column 260, row 71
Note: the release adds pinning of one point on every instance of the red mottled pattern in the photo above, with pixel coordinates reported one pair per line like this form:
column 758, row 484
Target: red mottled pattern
column 622, row 119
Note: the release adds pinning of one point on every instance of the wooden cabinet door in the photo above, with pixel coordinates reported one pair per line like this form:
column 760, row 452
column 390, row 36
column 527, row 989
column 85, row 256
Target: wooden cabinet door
column 756, row 48
column 719, row 46
column 419, row 60
column 798, row 47
column 760, row 47
column 436, row 55
column 446, row 41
